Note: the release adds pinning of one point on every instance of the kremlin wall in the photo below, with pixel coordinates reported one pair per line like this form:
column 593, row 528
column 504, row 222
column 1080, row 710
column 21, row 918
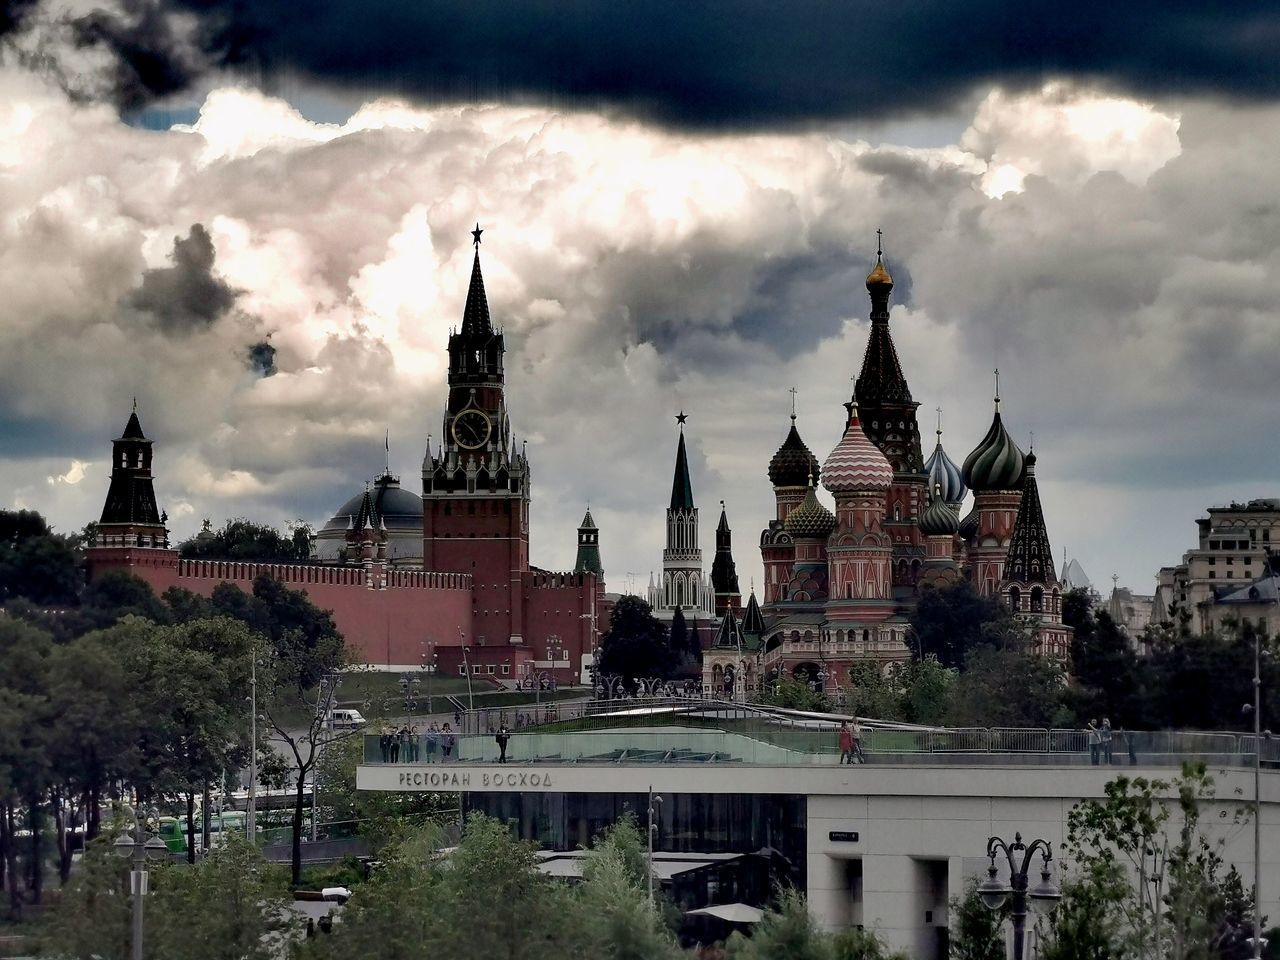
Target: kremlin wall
column 446, row 576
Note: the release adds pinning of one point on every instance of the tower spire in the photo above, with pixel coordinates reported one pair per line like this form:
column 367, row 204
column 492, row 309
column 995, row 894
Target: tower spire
column 681, row 485
column 1030, row 558
column 475, row 315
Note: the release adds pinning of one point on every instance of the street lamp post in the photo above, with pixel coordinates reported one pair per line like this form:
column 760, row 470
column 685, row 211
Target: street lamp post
column 466, row 664
column 138, row 847
column 655, row 801
column 251, row 807
column 428, row 668
column 1044, row 896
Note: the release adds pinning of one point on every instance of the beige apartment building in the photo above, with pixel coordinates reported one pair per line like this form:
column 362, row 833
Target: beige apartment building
column 1214, row 579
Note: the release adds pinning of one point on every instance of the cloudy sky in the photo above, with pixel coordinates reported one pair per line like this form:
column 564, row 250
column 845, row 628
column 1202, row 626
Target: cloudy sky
column 258, row 225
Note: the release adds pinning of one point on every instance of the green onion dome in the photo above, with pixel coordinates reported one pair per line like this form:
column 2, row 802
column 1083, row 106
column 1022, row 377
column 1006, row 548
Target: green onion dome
column 810, row 520
column 938, row 519
column 793, row 464
column 969, row 525
column 996, row 463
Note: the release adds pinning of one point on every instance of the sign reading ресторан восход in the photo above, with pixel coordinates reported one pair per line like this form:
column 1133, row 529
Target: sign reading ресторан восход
column 468, row 779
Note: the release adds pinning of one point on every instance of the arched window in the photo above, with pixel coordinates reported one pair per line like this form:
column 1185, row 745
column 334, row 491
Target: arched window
column 1037, row 600
column 866, row 636
column 1015, row 599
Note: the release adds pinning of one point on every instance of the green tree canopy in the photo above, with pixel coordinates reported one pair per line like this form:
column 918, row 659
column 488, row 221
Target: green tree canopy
column 35, row 563
column 637, row 644
column 948, row 622
column 241, row 539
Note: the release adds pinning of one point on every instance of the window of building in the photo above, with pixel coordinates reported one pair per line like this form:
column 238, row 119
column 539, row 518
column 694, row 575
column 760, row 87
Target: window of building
column 506, row 669
column 475, row 669
column 489, row 668
column 462, row 669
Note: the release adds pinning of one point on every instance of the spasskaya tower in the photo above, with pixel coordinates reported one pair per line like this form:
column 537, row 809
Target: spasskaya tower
column 475, row 484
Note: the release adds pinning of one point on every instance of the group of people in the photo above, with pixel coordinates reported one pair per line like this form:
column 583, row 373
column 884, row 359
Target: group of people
column 1102, row 742
column 851, row 743
column 404, row 745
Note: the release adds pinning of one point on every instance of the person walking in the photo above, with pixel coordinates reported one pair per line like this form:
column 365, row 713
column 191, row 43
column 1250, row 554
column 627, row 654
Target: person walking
column 433, row 741
column 394, row 737
column 846, row 743
column 1095, row 742
column 858, row 752
column 384, row 743
column 413, row 743
column 502, row 738
column 447, row 741
column 1105, row 736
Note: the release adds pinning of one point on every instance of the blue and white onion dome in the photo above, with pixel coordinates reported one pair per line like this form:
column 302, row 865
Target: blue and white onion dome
column 856, row 464
column 944, row 474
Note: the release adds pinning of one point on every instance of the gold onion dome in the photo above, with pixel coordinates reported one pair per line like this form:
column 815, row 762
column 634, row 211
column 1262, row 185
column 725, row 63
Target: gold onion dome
column 938, row 519
column 879, row 277
column 793, row 465
column 810, row 520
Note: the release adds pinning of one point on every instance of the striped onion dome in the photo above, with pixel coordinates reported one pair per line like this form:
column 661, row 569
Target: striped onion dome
column 938, row 519
column 942, row 472
column 996, row 463
column 856, row 463
column 810, row 520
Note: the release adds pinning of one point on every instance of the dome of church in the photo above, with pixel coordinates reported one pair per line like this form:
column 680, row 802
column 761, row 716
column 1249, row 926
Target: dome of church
column 794, row 463
column 810, row 520
column 399, row 509
column 879, row 278
column 942, row 472
column 969, row 525
column 996, row 463
column 938, row 519
column 856, row 463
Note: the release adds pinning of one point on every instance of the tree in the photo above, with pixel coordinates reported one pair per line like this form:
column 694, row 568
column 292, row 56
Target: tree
column 621, row 923
column 1105, row 669
column 1161, row 875
column 872, row 693
column 948, row 622
column 787, row 933
column 637, row 644
column 303, row 647
column 241, row 539
column 977, row 931
column 35, row 563
column 230, row 906
column 928, row 687
column 791, row 694
column 1083, row 927
column 1008, row 688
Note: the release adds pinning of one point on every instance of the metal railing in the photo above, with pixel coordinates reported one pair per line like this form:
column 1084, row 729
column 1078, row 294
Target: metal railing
column 710, row 732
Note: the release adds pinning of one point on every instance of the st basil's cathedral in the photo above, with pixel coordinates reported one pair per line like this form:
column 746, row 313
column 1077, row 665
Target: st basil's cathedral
column 840, row 584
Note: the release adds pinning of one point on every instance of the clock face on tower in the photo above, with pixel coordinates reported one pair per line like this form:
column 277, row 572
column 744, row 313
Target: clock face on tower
column 471, row 429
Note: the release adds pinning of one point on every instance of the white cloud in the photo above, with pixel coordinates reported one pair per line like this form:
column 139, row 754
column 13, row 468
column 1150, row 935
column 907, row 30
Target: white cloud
column 1125, row 282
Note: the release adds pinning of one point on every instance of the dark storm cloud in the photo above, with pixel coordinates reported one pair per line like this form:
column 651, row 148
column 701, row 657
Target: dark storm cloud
column 187, row 295
column 709, row 64
column 262, row 358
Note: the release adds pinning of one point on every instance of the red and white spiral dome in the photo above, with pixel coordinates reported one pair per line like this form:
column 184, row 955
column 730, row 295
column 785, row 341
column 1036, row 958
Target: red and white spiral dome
column 856, row 464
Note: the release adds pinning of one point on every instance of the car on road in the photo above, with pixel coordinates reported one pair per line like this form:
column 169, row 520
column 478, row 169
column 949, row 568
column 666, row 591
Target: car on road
column 346, row 719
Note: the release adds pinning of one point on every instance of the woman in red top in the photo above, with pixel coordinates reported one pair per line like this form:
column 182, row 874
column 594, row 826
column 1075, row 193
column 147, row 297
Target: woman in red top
column 846, row 743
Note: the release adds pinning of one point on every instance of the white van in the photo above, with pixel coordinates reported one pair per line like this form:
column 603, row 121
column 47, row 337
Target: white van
column 346, row 719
